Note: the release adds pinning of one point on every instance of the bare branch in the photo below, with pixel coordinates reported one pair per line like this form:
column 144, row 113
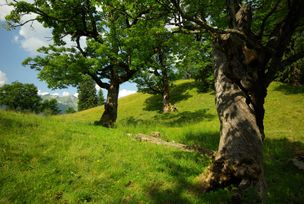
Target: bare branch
column 79, row 47
column 23, row 23
column 99, row 82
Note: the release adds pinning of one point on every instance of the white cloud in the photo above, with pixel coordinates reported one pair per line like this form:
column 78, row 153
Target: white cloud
column 4, row 9
column 97, row 87
column 16, row 39
column 41, row 93
column 76, row 95
column 125, row 92
column 65, row 93
column 122, row 92
column 55, row 94
column 33, row 35
column 69, row 43
column 3, row 78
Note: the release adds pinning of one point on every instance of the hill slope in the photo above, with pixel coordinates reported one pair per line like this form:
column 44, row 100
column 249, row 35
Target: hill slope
column 65, row 159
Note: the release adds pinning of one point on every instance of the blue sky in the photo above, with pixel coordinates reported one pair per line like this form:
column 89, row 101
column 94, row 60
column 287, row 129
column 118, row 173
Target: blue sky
column 18, row 44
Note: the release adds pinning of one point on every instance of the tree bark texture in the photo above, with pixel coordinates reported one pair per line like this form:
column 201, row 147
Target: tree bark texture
column 240, row 94
column 240, row 153
column 109, row 115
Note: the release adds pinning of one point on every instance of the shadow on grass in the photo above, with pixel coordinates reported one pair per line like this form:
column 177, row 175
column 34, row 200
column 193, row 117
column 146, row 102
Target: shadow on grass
column 172, row 119
column 285, row 181
column 209, row 140
column 288, row 89
column 184, row 188
column 177, row 93
column 182, row 118
column 182, row 169
column 179, row 173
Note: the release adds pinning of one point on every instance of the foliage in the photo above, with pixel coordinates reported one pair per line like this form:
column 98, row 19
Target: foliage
column 70, row 110
column 294, row 73
column 159, row 69
column 64, row 159
column 113, row 50
column 20, row 97
column 50, row 107
column 87, row 97
column 112, row 32
column 24, row 97
column 196, row 61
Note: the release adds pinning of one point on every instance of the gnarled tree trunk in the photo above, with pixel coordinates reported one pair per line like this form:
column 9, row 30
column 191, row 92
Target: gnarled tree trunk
column 109, row 115
column 239, row 103
column 240, row 94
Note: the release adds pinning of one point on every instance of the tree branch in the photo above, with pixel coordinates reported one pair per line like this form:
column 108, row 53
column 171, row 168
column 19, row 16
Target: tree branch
column 293, row 58
column 79, row 47
column 99, row 82
column 270, row 13
column 232, row 9
column 201, row 22
column 129, row 74
column 280, row 37
column 153, row 89
column 22, row 24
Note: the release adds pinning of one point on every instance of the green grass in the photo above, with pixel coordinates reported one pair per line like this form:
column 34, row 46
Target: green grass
column 66, row 159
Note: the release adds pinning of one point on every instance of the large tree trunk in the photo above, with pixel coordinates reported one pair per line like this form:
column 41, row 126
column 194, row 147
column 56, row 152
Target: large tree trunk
column 239, row 103
column 109, row 115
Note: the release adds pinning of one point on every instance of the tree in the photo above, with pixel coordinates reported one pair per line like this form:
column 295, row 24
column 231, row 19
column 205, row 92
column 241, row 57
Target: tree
column 87, row 97
column 20, row 97
column 113, row 31
column 294, row 73
column 157, row 74
column 100, row 97
column 70, row 110
column 195, row 60
column 249, row 46
column 50, row 107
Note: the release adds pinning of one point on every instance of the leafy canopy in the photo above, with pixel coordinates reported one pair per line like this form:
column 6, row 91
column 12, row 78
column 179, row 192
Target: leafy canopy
column 87, row 97
column 112, row 30
column 20, row 97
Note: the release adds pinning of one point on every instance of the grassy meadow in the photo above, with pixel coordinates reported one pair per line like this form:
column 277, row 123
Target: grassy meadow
column 66, row 159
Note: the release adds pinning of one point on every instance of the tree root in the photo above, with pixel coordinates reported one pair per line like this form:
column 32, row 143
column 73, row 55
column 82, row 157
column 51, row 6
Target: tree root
column 243, row 175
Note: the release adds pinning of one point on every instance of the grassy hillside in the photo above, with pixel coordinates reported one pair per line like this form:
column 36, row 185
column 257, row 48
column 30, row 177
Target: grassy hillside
column 66, row 159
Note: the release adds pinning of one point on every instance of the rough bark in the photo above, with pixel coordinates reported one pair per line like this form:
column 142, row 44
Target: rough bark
column 240, row 94
column 109, row 115
column 245, row 64
column 240, row 155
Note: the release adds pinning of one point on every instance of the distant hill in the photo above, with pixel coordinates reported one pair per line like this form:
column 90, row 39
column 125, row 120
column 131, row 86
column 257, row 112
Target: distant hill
column 64, row 102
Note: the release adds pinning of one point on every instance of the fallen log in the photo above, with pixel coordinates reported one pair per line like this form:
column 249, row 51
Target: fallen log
column 154, row 138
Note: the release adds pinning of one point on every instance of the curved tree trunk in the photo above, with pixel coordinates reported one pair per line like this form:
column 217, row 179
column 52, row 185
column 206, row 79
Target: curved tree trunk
column 239, row 103
column 109, row 115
